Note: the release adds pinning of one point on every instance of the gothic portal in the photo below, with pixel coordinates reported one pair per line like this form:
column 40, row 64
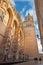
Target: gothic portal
column 11, row 31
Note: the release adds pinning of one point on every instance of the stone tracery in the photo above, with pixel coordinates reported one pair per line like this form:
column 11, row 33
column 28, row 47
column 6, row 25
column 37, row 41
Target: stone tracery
column 11, row 32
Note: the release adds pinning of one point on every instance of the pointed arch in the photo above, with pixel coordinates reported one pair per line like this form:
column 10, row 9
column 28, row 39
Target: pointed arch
column 16, row 27
column 10, row 17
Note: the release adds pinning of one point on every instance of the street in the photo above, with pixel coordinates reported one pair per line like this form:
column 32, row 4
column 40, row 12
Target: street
column 31, row 63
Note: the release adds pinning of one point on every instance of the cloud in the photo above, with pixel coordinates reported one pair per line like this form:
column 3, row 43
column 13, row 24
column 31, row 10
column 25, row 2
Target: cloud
column 22, row 17
column 13, row 3
column 36, row 26
column 39, row 46
column 23, row 9
column 22, row 12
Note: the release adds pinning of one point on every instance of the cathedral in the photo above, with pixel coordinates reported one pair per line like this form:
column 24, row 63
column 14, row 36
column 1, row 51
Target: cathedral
column 17, row 37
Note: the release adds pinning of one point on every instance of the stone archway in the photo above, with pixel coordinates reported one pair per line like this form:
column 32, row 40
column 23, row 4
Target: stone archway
column 21, row 40
column 21, row 45
column 8, row 27
column 6, row 41
column 16, row 27
column 10, row 17
column 15, row 40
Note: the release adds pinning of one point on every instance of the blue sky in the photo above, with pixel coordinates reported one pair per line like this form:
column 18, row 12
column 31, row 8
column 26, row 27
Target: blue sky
column 24, row 7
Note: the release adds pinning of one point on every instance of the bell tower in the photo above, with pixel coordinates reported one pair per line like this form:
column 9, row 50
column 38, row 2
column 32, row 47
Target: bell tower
column 30, row 37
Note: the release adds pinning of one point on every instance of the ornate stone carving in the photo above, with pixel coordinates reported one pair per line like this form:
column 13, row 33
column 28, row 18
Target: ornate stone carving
column 1, row 15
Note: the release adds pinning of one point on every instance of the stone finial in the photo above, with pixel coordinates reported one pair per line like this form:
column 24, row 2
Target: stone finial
column 8, row 1
column 4, row 1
